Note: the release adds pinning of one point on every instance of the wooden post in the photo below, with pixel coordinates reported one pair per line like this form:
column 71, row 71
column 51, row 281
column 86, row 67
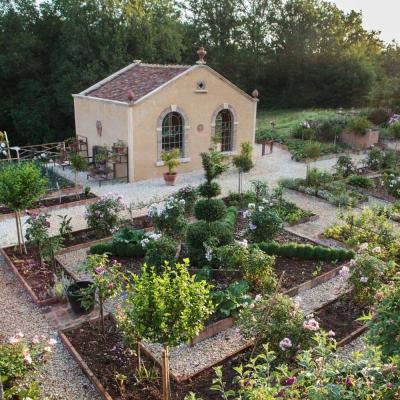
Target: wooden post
column 165, row 373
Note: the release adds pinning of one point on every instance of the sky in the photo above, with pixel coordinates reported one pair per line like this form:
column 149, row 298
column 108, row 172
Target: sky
column 381, row 15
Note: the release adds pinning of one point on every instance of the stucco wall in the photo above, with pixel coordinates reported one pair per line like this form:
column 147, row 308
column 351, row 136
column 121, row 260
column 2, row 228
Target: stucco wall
column 113, row 118
column 198, row 109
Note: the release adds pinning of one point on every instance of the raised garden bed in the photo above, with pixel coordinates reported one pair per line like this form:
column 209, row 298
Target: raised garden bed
column 53, row 203
column 102, row 359
column 340, row 315
column 36, row 280
column 379, row 191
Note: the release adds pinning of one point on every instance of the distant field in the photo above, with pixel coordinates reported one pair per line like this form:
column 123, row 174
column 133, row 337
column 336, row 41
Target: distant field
column 287, row 119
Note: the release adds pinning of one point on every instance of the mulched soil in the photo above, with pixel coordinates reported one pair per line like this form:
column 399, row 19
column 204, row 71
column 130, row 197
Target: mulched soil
column 296, row 271
column 340, row 316
column 47, row 202
column 39, row 278
column 107, row 358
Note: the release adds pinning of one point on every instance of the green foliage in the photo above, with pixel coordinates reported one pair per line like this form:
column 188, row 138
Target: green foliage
column 367, row 275
column 306, row 251
column 127, row 242
column 360, row 181
column 273, row 319
column 21, row 185
column 209, row 209
column 378, row 116
column 244, row 161
column 394, row 130
column 189, row 194
column 107, row 281
column 320, row 371
column 19, row 359
column 228, row 302
column 358, row 125
column 371, row 226
column 391, row 181
column 168, row 308
column 78, row 162
column 264, row 223
column 160, row 251
column 319, row 179
column 214, row 166
column 385, row 327
column 171, row 160
column 345, row 166
column 217, row 233
column 103, row 215
column 101, row 248
column 375, row 159
column 170, row 220
column 312, row 151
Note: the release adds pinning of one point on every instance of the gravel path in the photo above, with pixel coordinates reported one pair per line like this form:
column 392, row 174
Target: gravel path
column 61, row 377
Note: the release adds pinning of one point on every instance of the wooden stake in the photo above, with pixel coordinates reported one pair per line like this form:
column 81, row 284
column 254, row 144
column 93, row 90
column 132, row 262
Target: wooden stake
column 165, row 373
column 18, row 232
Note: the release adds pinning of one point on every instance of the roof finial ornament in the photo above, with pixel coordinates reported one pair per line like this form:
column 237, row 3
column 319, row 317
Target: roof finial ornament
column 130, row 96
column 201, row 52
column 255, row 93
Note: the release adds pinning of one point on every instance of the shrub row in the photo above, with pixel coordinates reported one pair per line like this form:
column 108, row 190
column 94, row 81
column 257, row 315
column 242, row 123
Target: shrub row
column 306, row 251
column 118, row 249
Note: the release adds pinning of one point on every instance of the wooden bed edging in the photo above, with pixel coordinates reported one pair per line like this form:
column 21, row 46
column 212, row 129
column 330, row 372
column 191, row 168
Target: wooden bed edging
column 87, row 371
column 32, row 294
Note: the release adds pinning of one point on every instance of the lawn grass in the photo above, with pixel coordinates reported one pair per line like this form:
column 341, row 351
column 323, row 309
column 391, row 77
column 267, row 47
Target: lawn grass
column 288, row 119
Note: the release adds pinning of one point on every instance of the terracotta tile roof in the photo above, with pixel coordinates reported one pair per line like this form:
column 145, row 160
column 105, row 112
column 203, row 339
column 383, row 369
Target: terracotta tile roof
column 141, row 79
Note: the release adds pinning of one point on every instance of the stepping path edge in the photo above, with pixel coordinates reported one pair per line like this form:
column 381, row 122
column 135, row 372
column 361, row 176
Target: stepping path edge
column 32, row 294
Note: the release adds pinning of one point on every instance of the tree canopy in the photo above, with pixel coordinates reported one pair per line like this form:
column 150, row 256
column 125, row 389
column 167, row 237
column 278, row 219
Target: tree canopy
column 297, row 53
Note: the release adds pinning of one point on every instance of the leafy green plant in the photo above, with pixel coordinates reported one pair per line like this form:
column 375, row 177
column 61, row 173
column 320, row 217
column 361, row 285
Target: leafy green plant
column 243, row 162
column 171, row 160
column 384, row 328
column 367, row 276
column 169, row 308
column 209, row 209
column 375, row 159
column 19, row 358
column 344, row 166
column 358, row 125
column 360, row 181
column 107, row 279
column 65, row 228
column 103, row 216
column 391, row 181
column 214, row 166
column 320, row 371
column 159, row 251
column 264, row 223
column 170, row 220
column 20, row 186
column 127, row 242
column 306, row 251
column 228, row 302
column 78, row 164
column 278, row 322
column 190, row 195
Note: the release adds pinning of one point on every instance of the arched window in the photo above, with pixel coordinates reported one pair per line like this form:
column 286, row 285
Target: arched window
column 224, row 129
column 172, row 132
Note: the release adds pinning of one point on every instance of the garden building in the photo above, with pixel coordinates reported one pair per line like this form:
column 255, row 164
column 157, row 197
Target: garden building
column 151, row 108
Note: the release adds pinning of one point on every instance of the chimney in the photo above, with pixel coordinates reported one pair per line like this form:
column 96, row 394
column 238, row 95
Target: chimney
column 201, row 53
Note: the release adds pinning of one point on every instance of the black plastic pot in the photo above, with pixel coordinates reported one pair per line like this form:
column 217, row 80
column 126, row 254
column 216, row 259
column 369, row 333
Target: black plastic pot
column 75, row 297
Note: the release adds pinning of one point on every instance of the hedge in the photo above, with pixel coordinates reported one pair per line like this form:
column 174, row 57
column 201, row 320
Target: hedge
column 118, row 249
column 306, row 251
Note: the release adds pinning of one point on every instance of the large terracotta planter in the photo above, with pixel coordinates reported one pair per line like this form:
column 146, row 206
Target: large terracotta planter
column 170, row 178
column 360, row 141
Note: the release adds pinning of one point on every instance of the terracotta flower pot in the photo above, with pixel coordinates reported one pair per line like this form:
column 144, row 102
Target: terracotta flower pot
column 170, row 178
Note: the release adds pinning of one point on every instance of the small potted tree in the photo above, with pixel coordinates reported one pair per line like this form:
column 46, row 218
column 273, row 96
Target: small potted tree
column 171, row 160
column 169, row 308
